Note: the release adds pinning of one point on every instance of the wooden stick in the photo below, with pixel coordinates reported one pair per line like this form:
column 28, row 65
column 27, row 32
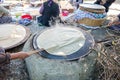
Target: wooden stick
column 35, row 51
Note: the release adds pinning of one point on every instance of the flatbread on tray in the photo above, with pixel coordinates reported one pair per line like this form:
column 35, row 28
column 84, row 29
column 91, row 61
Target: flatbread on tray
column 61, row 40
column 11, row 34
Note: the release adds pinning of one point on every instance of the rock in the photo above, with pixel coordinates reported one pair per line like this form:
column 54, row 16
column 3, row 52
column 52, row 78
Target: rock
column 40, row 68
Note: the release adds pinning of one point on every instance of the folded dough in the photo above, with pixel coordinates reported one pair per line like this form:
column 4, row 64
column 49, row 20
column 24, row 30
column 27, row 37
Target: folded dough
column 61, row 40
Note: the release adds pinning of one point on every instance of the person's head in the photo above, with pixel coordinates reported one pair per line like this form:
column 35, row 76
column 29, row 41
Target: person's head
column 50, row 2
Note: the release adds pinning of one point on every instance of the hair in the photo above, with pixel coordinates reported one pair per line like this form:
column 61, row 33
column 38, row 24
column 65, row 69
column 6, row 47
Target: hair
column 50, row 2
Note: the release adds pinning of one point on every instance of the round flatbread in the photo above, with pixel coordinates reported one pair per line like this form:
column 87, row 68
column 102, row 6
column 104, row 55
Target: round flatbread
column 11, row 34
column 61, row 40
column 92, row 6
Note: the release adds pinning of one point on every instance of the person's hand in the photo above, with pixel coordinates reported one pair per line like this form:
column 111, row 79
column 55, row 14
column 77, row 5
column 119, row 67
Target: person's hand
column 19, row 55
column 114, row 21
column 110, row 23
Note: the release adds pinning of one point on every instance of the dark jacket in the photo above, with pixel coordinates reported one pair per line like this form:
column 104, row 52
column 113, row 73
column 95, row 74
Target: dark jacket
column 106, row 4
column 49, row 12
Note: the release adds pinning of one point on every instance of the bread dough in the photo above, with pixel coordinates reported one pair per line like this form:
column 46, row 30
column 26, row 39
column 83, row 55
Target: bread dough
column 11, row 34
column 61, row 40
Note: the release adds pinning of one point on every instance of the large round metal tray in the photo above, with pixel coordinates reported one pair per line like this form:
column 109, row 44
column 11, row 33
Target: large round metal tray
column 12, row 39
column 84, row 50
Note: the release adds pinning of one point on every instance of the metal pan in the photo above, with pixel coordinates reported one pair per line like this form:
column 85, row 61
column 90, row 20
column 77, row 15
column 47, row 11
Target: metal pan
column 84, row 50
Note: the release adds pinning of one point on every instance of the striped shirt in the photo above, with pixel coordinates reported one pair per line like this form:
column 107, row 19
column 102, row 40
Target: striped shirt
column 4, row 58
